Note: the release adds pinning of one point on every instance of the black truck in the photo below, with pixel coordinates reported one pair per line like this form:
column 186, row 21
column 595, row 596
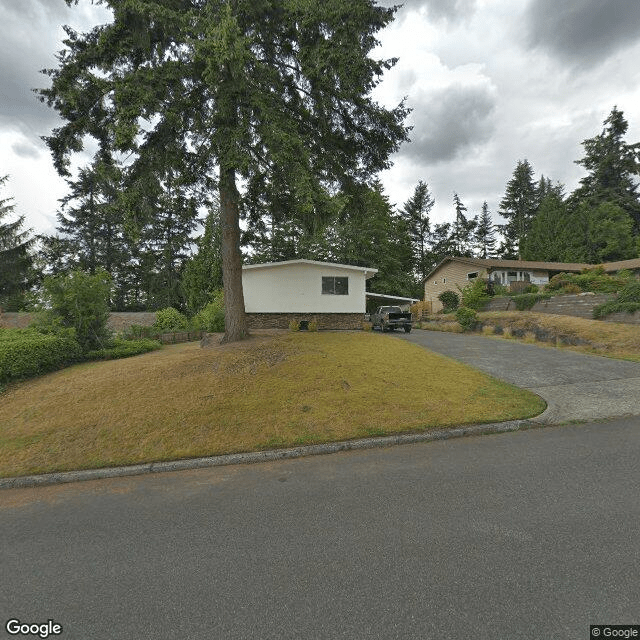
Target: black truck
column 390, row 318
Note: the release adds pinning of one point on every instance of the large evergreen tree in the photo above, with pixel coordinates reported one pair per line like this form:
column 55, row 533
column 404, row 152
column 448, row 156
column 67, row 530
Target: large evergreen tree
column 613, row 169
column 416, row 212
column 15, row 257
column 485, row 234
column 550, row 237
column 202, row 273
column 462, row 229
column 227, row 90
column 517, row 207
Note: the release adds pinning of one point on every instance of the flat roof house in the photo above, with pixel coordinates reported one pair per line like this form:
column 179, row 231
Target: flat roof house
column 455, row 272
column 332, row 295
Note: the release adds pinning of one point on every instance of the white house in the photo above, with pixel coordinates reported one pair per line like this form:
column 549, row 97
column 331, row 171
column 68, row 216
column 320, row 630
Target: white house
column 333, row 295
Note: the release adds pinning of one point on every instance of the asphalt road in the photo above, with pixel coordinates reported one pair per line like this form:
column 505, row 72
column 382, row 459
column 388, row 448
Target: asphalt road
column 575, row 386
column 527, row 535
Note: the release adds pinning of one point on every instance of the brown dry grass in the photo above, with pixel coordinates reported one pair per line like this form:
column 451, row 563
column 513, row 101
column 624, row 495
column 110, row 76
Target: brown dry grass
column 613, row 339
column 268, row 391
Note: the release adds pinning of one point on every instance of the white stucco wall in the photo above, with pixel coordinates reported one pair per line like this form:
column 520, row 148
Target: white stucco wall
column 297, row 288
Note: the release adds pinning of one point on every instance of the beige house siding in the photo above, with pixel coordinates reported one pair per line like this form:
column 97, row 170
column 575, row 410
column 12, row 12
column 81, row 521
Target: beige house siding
column 448, row 278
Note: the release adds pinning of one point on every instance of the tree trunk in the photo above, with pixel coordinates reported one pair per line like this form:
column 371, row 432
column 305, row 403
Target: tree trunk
column 235, row 322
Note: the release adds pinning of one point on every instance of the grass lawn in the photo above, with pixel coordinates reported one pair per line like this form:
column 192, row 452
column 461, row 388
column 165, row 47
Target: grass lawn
column 268, row 391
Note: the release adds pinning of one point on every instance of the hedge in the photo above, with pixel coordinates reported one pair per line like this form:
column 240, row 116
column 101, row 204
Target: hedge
column 123, row 349
column 24, row 354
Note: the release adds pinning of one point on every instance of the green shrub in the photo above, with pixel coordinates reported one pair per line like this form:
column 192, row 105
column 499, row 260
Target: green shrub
column 628, row 301
column 138, row 331
column 80, row 301
column 476, row 294
column 466, row 317
column 170, row 319
column 294, row 326
column 28, row 353
column 526, row 301
column 630, row 292
column 123, row 349
column 450, row 300
column 313, row 325
column 211, row 317
column 595, row 280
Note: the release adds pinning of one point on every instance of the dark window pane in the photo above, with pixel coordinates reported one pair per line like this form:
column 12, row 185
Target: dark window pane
column 342, row 286
column 327, row 285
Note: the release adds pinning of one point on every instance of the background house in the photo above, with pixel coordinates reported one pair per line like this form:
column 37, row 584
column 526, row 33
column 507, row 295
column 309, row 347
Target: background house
column 333, row 295
column 454, row 273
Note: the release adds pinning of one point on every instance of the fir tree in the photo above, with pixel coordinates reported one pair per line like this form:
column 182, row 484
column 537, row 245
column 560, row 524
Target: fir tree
column 202, row 274
column 485, row 235
column 15, row 257
column 416, row 212
column 462, row 229
column 518, row 208
column 228, row 91
column 613, row 167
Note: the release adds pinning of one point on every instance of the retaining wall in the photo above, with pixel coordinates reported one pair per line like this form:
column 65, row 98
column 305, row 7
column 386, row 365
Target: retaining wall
column 578, row 305
column 323, row 320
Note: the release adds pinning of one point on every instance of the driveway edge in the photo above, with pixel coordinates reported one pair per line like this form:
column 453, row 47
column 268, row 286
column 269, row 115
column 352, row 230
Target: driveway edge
column 267, row 456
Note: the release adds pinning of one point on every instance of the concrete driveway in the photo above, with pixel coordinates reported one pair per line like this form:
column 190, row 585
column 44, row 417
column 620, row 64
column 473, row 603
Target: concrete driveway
column 575, row 386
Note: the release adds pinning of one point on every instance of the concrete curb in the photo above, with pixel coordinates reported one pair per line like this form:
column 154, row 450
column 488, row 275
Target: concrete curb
column 267, row 456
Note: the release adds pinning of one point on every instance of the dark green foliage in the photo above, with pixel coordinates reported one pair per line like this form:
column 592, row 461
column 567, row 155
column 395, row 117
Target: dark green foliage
column 518, row 208
column 476, row 294
column 275, row 93
column 25, row 353
column 525, row 301
column 15, row 258
column 462, row 230
column 595, row 280
column 202, row 274
column 628, row 299
column 485, row 234
column 466, row 317
column 211, row 317
column 79, row 300
column 630, row 292
column 416, row 213
column 450, row 300
column 551, row 232
column 137, row 331
column 170, row 319
column 613, row 167
column 123, row 349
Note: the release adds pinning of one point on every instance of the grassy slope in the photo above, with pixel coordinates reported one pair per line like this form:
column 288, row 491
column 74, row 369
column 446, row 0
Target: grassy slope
column 613, row 339
column 268, row 391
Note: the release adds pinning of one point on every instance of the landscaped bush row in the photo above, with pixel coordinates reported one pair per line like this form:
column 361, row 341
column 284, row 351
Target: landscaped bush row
column 123, row 349
column 595, row 280
column 525, row 301
column 27, row 353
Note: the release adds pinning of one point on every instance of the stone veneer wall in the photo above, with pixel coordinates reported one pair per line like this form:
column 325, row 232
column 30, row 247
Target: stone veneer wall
column 324, row 320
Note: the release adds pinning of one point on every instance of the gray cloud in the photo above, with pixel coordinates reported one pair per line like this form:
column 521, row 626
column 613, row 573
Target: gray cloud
column 583, row 32
column 439, row 10
column 25, row 150
column 449, row 122
column 29, row 43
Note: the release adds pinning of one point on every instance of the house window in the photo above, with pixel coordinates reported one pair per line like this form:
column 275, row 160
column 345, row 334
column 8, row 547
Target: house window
column 435, row 282
column 512, row 276
column 444, row 281
column 472, row 275
column 335, row 286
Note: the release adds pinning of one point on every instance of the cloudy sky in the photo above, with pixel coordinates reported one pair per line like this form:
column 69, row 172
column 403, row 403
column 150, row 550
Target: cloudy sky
column 490, row 82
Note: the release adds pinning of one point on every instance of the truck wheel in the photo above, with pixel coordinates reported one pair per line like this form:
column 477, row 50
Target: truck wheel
column 407, row 329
